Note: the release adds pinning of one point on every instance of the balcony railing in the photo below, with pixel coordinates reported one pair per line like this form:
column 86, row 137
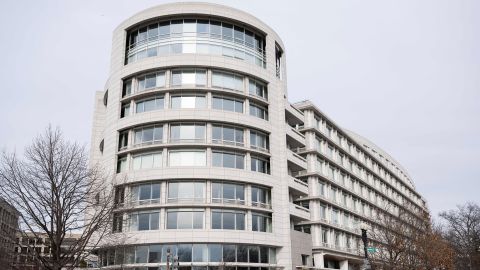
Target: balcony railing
column 228, row 201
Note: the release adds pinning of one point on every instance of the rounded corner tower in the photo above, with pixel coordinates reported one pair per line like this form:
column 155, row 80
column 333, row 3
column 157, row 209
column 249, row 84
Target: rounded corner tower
column 213, row 167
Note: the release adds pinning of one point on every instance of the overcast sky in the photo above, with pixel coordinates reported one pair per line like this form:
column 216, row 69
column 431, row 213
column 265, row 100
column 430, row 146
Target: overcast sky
column 404, row 74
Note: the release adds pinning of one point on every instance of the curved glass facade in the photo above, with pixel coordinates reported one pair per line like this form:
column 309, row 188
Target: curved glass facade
column 196, row 256
column 200, row 36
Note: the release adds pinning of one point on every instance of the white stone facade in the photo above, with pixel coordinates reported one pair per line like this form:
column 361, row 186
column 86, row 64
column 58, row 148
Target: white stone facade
column 190, row 136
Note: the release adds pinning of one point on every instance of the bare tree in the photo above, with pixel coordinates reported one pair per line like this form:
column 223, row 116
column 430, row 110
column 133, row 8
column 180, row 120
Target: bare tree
column 463, row 233
column 58, row 194
column 406, row 239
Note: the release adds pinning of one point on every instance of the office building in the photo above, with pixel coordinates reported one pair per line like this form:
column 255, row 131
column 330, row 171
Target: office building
column 213, row 163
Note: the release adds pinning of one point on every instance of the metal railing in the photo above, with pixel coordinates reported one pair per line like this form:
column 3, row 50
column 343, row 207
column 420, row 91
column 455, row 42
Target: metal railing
column 228, row 201
column 193, row 39
column 228, row 142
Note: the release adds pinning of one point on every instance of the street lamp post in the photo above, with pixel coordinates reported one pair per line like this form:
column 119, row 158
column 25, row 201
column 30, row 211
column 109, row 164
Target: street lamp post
column 366, row 262
column 168, row 258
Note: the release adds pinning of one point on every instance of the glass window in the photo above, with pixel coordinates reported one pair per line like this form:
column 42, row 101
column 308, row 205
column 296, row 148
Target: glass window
column 189, row 102
column 141, row 253
column 151, row 81
column 121, row 164
column 228, row 160
column 151, row 104
column 148, row 135
column 261, row 222
column 187, row 158
column 199, row 253
column 125, row 110
column 152, row 31
column 155, row 254
column 227, row 80
column 228, row 193
column 189, row 26
column 257, row 89
column 259, row 140
column 176, row 27
column 253, row 256
column 242, row 253
column 123, row 140
column 164, row 29
column 260, row 197
column 229, row 253
column 227, row 135
column 323, row 211
column 215, row 252
column 189, row 77
column 227, row 104
column 186, row 191
column 258, row 164
column 228, row 220
column 249, row 39
column 127, row 88
column 259, row 111
column 145, row 193
column 144, row 221
column 227, row 31
column 203, row 27
column 184, row 219
column 184, row 252
column 239, row 35
column 147, row 161
column 192, row 133
column 249, row 47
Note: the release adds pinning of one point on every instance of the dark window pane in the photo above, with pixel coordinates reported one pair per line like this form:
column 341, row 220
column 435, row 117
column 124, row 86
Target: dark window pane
column 264, row 254
column 242, row 253
column 184, row 253
column 228, row 221
column 228, row 191
column 155, row 254
column 217, row 133
column 216, row 220
column 239, row 106
column 253, row 254
column 229, row 253
column 145, row 192
column 143, row 222
column 255, row 223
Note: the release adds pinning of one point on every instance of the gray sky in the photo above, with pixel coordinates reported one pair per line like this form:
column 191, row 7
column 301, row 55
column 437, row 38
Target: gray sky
column 404, row 74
